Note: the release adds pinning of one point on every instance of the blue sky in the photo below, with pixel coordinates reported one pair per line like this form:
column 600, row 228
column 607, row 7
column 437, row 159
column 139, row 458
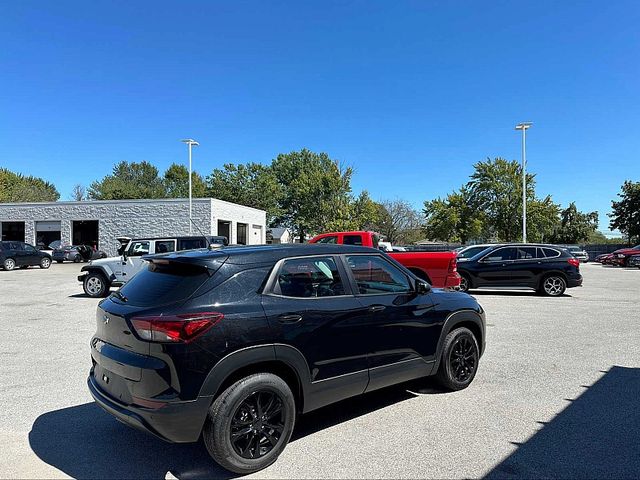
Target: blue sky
column 410, row 93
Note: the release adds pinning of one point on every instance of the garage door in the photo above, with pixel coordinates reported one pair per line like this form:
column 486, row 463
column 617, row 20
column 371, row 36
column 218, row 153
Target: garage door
column 47, row 226
column 47, row 232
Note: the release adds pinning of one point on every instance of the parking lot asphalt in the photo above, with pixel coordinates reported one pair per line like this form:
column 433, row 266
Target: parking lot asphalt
column 556, row 395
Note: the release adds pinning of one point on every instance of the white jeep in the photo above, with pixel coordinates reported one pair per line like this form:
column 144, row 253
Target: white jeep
column 102, row 274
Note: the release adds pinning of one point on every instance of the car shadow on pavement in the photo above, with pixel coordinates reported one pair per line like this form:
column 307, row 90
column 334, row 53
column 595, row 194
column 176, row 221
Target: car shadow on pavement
column 512, row 293
column 85, row 442
column 596, row 436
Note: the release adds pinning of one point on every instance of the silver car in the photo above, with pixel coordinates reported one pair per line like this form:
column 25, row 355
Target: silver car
column 577, row 251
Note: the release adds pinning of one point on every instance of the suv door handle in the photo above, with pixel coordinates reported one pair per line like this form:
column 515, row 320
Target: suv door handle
column 289, row 318
column 376, row 308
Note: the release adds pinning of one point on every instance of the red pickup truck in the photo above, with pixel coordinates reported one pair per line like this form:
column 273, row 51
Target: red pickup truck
column 437, row 268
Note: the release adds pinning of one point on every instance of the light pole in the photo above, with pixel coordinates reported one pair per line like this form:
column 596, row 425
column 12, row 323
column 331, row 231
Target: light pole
column 523, row 126
column 191, row 142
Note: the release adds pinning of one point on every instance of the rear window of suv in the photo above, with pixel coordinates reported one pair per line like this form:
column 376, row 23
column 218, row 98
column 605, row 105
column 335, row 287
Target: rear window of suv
column 162, row 284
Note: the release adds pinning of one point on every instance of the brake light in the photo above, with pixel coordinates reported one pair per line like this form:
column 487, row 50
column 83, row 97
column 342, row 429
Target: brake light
column 453, row 265
column 575, row 262
column 181, row 328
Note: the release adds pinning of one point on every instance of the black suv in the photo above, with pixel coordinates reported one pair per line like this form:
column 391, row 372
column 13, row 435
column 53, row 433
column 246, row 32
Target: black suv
column 19, row 254
column 232, row 344
column 547, row 269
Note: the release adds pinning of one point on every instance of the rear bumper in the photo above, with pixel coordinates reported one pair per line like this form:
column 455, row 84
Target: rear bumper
column 176, row 422
column 575, row 281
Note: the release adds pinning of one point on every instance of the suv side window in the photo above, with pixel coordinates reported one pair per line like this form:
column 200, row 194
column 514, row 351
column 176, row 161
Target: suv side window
column 374, row 275
column 501, row 255
column 330, row 239
column 309, row 277
column 352, row 240
column 526, row 253
column 138, row 249
column 165, row 246
column 17, row 246
column 191, row 243
column 550, row 252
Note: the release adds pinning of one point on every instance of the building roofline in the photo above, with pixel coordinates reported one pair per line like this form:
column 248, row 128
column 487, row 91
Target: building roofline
column 115, row 202
column 245, row 206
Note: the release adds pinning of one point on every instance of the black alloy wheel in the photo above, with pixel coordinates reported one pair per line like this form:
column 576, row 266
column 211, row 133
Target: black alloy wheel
column 459, row 360
column 257, row 425
column 463, row 359
column 464, row 283
column 250, row 423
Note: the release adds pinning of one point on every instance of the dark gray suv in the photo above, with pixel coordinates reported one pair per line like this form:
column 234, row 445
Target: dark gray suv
column 19, row 254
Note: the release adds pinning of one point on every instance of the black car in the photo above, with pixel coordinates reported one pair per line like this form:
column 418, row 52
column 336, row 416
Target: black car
column 76, row 253
column 232, row 344
column 547, row 269
column 19, row 254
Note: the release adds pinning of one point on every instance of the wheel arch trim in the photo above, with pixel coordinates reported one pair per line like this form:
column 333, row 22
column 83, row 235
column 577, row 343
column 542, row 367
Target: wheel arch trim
column 457, row 318
column 248, row 356
column 99, row 268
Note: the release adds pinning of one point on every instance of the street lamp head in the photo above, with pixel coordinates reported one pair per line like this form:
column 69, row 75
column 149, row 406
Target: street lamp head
column 523, row 125
column 190, row 141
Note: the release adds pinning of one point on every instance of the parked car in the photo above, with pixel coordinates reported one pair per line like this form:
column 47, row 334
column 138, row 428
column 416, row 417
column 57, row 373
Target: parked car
column 437, row 268
column 472, row 250
column 232, row 344
column 100, row 275
column 601, row 257
column 547, row 269
column 77, row 253
column 634, row 261
column 621, row 257
column 19, row 254
column 577, row 251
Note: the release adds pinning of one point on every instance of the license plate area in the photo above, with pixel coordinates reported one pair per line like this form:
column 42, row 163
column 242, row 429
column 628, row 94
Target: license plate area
column 112, row 384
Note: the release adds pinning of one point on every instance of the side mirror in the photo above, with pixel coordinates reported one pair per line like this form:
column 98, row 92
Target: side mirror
column 422, row 287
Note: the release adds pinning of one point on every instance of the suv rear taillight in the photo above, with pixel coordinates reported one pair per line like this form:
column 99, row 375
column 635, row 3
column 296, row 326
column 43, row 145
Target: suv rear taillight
column 575, row 262
column 181, row 328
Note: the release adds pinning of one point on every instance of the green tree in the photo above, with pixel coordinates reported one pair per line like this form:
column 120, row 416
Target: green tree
column 454, row 219
column 176, row 182
column 315, row 192
column 575, row 226
column 366, row 213
column 252, row 184
column 129, row 181
column 626, row 212
column 496, row 190
column 15, row 187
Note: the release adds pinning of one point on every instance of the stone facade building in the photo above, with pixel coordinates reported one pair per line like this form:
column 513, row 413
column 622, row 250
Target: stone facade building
column 100, row 222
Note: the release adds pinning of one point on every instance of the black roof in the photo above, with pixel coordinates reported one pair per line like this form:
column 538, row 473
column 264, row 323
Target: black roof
column 258, row 253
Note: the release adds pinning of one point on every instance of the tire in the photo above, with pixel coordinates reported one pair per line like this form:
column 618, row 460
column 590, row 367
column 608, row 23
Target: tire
column 9, row 264
column 45, row 262
column 553, row 285
column 465, row 283
column 459, row 345
column 77, row 259
column 237, row 410
column 95, row 285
